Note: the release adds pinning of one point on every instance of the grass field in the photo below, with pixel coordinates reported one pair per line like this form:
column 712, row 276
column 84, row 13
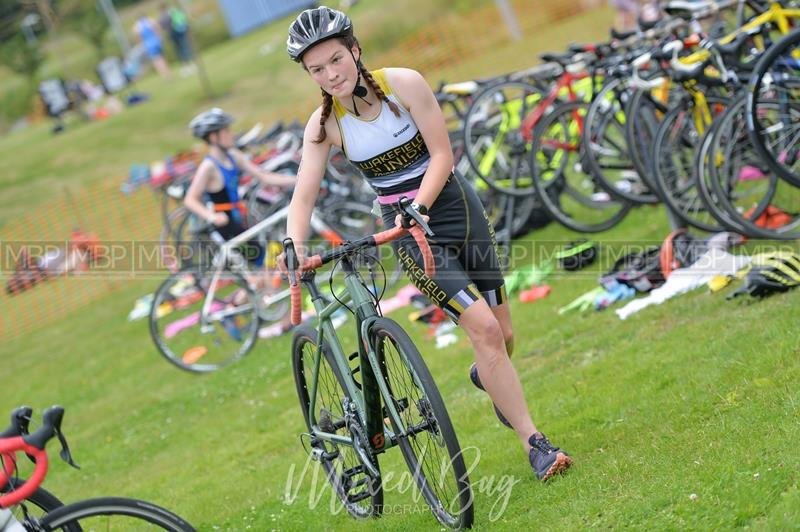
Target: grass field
column 681, row 417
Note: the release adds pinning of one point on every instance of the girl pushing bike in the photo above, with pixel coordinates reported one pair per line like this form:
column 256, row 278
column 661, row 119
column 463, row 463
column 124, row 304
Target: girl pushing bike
column 389, row 125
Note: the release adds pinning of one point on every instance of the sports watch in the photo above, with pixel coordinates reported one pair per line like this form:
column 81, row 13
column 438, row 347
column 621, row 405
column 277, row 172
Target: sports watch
column 420, row 208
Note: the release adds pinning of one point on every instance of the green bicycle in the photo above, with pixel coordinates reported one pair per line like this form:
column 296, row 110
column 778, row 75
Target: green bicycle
column 382, row 396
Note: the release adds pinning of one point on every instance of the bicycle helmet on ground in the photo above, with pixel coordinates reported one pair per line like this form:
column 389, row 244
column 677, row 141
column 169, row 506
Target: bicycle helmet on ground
column 313, row 26
column 771, row 273
column 209, row 121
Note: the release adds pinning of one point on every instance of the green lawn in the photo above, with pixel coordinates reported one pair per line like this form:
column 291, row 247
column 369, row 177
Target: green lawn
column 683, row 416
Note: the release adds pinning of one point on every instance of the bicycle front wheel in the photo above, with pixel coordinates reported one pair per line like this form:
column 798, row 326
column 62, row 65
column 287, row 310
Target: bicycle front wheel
column 360, row 492
column 198, row 343
column 38, row 504
column 113, row 513
column 429, row 444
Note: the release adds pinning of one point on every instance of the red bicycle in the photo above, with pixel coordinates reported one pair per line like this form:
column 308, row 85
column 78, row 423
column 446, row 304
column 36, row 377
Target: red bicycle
column 20, row 497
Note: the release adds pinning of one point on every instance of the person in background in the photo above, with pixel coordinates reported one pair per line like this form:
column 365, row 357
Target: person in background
column 148, row 34
column 214, row 192
column 627, row 11
column 175, row 23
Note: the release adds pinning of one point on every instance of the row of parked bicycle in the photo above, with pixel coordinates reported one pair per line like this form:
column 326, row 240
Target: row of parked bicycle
column 697, row 110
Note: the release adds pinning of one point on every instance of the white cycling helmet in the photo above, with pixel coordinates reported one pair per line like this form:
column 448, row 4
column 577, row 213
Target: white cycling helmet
column 209, row 122
column 313, row 26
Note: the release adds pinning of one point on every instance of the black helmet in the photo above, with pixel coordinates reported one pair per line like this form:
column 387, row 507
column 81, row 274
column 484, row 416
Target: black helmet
column 209, row 121
column 313, row 26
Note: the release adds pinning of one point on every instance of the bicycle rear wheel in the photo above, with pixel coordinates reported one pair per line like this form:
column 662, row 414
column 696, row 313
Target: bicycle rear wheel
column 606, row 153
column 113, row 513
column 341, row 463
column 184, row 339
column 430, row 446
column 674, row 153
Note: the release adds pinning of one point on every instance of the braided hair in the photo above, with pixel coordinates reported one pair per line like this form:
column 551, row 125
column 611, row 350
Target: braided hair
column 327, row 107
column 377, row 88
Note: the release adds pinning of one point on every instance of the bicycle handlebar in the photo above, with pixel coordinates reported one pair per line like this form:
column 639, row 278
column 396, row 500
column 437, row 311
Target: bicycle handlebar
column 34, row 446
column 418, row 231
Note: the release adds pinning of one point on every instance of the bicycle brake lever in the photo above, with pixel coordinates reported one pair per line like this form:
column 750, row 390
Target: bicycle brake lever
column 291, row 260
column 65, row 454
column 410, row 213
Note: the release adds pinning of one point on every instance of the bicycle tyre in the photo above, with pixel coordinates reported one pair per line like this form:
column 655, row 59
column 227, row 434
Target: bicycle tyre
column 493, row 139
column 330, row 383
column 80, row 514
column 674, row 152
column 705, row 169
column 607, row 156
column 644, row 114
column 730, row 194
column 432, row 411
column 769, row 67
column 564, row 189
column 175, row 310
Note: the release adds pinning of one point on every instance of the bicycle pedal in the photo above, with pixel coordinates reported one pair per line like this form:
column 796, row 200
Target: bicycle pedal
column 349, row 485
column 360, row 496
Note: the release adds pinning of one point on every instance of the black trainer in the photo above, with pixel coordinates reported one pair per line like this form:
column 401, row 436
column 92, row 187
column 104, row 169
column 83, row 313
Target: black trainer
column 547, row 460
column 473, row 376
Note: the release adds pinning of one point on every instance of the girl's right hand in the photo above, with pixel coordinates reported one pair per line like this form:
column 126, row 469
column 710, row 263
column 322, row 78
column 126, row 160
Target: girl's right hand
column 219, row 219
column 281, row 260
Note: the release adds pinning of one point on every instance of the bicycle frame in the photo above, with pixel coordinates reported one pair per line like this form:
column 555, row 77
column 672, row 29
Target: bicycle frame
column 229, row 255
column 373, row 386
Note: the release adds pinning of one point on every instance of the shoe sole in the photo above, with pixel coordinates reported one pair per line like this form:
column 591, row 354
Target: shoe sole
column 562, row 463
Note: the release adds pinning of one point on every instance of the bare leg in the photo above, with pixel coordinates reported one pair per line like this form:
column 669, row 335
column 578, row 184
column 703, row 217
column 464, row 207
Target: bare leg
column 161, row 66
column 494, row 366
column 503, row 315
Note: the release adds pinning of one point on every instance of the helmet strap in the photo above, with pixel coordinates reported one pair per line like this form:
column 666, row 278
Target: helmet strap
column 359, row 90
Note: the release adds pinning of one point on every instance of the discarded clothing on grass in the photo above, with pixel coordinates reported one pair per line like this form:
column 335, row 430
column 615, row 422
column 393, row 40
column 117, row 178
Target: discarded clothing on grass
column 527, row 276
column 715, row 261
column 534, row 293
column 583, row 302
column 614, row 291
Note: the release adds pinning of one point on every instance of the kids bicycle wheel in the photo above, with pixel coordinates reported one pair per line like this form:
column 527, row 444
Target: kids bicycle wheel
column 183, row 337
column 429, row 445
column 359, row 491
column 112, row 514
